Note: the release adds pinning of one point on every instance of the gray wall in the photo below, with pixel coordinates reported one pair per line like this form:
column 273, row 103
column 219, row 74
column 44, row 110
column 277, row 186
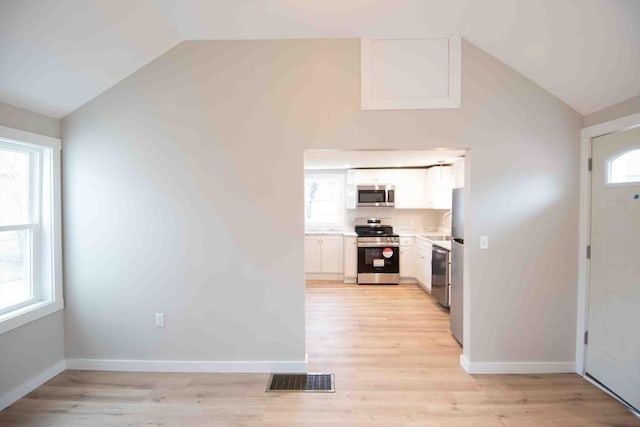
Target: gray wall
column 624, row 108
column 19, row 118
column 184, row 194
column 30, row 349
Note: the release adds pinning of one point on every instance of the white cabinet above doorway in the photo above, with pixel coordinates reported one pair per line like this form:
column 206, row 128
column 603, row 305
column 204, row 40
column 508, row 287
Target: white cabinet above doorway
column 411, row 73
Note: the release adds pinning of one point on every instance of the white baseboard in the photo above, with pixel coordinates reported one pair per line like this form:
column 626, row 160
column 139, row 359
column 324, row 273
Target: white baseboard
column 517, row 367
column 31, row 384
column 464, row 362
column 187, row 366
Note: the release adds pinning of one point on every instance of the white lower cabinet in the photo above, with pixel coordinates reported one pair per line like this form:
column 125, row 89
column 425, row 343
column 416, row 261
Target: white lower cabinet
column 350, row 259
column 422, row 264
column 312, row 254
column 323, row 253
column 406, row 258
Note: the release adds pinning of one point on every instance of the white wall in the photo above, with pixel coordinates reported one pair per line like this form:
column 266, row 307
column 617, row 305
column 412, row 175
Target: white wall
column 19, row 118
column 621, row 109
column 183, row 194
column 29, row 350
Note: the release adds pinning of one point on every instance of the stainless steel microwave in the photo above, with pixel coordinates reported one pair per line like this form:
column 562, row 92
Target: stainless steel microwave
column 380, row 195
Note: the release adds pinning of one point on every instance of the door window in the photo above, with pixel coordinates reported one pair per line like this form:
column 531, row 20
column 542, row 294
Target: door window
column 624, row 168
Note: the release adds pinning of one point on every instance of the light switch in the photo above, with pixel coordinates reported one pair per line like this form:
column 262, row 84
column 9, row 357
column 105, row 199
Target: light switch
column 484, row 242
column 160, row 320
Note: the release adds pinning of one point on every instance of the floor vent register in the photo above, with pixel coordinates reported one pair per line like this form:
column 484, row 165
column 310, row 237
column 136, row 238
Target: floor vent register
column 302, row 383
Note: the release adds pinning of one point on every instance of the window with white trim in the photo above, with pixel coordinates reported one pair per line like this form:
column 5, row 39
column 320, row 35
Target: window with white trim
column 624, row 167
column 324, row 196
column 30, row 264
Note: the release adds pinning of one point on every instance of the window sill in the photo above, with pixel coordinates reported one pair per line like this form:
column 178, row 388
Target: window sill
column 27, row 314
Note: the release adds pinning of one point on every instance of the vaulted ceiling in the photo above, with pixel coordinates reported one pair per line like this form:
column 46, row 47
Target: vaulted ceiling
column 57, row 55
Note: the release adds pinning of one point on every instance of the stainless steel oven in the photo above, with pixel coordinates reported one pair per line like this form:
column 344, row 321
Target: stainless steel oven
column 379, row 260
column 382, row 195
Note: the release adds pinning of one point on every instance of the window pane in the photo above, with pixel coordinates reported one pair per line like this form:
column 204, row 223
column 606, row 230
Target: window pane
column 324, row 199
column 625, row 168
column 14, row 187
column 15, row 267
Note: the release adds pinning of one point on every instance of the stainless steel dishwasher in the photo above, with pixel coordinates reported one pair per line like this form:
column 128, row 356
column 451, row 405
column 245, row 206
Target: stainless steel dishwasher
column 440, row 275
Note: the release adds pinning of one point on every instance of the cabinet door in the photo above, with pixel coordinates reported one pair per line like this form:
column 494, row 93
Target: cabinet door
column 410, row 73
column 427, row 267
column 411, row 190
column 350, row 257
column 331, row 254
column 439, row 185
column 406, row 261
column 350, row 190
column 373, row 176
column 419, row 267
column 458, row 174
column 443, row 186
column 312, row 254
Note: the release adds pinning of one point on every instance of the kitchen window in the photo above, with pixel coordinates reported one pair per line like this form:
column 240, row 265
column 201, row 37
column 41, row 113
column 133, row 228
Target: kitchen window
column 324, row 199
column 30, row 264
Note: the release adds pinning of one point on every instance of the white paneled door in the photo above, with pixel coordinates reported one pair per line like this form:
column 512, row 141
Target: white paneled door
column 613, row 349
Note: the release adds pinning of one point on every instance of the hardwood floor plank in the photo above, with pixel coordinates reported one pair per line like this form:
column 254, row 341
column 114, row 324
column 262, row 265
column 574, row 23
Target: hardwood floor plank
column 395, row 365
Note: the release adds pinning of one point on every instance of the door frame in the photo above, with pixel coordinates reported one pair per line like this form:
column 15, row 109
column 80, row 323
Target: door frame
column 584, row 239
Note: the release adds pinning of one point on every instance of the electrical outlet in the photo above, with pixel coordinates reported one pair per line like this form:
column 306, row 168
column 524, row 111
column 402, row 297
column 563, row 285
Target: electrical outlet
column 160, row 320
column 484, row 242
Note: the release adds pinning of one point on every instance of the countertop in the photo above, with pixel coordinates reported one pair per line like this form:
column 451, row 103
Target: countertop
column 425, row 235
column 328, row 232
column 444, row 244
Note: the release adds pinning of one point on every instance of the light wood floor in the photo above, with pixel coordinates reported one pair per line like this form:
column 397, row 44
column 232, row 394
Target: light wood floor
column 395, row 365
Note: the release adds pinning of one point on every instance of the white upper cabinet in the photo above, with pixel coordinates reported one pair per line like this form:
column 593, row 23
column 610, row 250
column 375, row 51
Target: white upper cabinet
column 410, row 73
column 414, row 188
column 411, row 192
column 357, row 177
column 458, row 173
column 439, row 185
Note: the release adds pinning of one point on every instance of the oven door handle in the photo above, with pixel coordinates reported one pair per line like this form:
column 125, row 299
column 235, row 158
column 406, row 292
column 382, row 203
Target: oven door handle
column 378, row 245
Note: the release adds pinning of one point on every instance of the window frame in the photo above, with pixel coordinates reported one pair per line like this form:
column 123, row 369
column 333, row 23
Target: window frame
column 341, row 176
column 44, row 223
column 32, row 224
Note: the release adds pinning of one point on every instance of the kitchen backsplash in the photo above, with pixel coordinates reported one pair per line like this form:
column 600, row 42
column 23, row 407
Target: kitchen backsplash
column 404, row 220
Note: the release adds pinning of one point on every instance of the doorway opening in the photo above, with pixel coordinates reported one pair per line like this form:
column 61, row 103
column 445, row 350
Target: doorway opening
column 410, row 193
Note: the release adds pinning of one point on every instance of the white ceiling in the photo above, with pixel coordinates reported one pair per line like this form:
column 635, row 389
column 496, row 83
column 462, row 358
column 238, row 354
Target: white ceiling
column 349, row 159
column 57, row 55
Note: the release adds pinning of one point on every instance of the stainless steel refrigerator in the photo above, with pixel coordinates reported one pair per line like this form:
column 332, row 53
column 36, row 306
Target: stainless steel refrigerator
column 457, row 246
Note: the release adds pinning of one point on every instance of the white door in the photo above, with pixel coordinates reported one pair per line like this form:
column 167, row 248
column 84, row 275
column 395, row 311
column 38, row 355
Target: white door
column 613, row 350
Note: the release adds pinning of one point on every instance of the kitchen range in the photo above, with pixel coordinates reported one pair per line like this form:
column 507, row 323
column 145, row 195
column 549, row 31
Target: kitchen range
column 378, row 252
